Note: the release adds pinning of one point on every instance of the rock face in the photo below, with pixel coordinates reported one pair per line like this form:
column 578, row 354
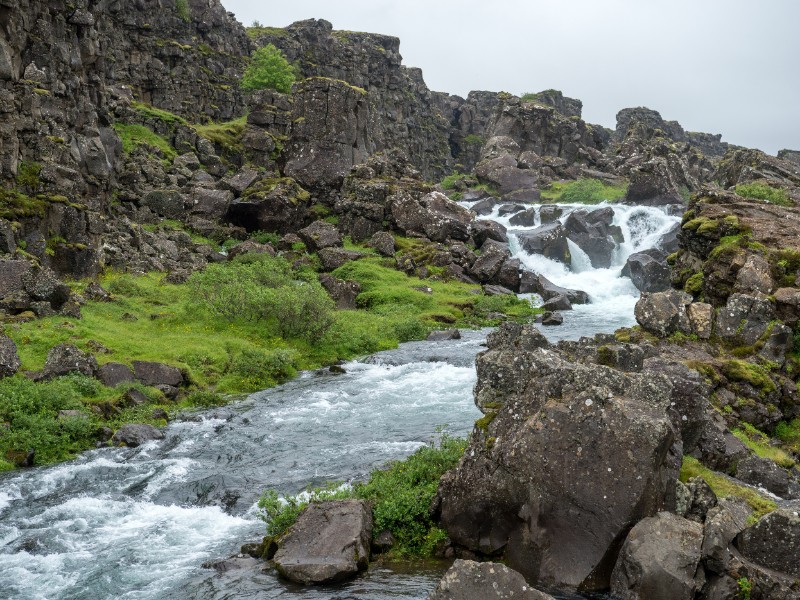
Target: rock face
column 659, row 560
column 760, row 542
column 566, row 458
column 470, row 580
column 329, row 542
column 9, row 359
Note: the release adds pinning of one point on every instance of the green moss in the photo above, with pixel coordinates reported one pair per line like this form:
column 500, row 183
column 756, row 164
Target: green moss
column 150, row 112
column 725, row 487
column 486, row 420
column 694, row 284
column 228, row 135
column 755, row 375
column 138, row 136
column 759, row 443
column 183, row 10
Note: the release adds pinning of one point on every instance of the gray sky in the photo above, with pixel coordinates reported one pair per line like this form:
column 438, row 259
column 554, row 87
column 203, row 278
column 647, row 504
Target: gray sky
column 718, row 66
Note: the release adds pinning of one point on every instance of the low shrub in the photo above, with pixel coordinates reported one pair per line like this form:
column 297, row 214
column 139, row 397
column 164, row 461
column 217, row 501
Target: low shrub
column 268, row 69
column 761, row 191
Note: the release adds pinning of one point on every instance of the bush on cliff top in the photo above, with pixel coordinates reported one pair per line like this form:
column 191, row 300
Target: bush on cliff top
column 268, row 70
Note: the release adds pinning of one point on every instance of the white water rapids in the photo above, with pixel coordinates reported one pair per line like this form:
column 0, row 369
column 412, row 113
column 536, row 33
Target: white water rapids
column 137, row 523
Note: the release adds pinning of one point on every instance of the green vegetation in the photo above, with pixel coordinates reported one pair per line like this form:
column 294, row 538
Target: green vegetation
column 759, row 442
column 724, row 486
column 182, row 8
column 401, row 495
column 32, row 413
column 584, row 191
column 28, row 176
column 745, row 588
column 694, row 285
column 151, row 112
column 228, row 135
column 138, row 136
column 755, row 375
column 268, row 69
column 256, row 30
column 390, row 293
column 762, row 191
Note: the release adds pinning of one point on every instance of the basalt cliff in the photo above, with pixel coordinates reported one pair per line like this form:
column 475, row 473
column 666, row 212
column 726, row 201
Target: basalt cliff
column 125, row 134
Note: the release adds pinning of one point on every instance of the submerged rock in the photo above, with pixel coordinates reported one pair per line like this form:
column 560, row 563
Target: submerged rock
column 329, row 542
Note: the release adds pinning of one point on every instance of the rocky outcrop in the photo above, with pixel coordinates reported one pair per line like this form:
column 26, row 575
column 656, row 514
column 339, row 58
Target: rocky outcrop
column 136, row 434
column 551, row 519
column 470, row 580
column 67, row 358
column 659, row 560
column 329, row 542
column 9, row 359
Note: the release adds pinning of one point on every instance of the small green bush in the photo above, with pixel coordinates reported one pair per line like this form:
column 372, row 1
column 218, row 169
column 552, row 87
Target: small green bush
column 268, row 70
column 28, row 173
column 262, row 368
column 761, row 191
column 204, row 399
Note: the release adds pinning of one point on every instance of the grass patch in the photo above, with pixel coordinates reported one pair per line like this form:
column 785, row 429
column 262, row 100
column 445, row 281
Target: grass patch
column 138, row 136
column 151, row 112
column 584, row 191
column 758, row 442
column 401, row 495
column 724, row 487
column 386, row 291
column 228, row 135
column 762, row 191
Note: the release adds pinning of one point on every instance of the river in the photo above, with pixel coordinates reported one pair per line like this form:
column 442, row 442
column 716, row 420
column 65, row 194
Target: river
column 137, row 523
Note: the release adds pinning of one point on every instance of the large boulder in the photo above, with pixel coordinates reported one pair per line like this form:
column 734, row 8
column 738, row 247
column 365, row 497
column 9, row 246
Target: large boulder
column 154, row 373
column 488, row 230
column 659, row 560
column 764, row 473
column 566, row 458
column 549, row 240
column 136, row 434
column 435, row 215
column 320, row 235
column 11, row 273
column 773, row 542
column 648, row 271
column 470, row 580
column 112, row 374
column 664, row 313
column 329, row 542
column 531, row 283
column 723, row 523
column 593, row 233
column 343, row 293
column 9, row 359
column 488, row 264
column 66, row 358
column 744, row 319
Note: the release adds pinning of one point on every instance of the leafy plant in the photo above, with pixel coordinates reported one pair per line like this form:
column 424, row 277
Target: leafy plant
column 268, row 69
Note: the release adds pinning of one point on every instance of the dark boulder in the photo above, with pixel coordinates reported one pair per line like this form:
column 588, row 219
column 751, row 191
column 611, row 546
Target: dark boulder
column 470, row 580
column 484, row 207
column 664, row 313
column 648, row 271
column 444, row 335
column 42, row 284
column 509, row 209
column 154, row 373
column 594, row 234
column 509, row 274
column 112, row 374
column 239, row 181
column 250, row 247
column 550, row 213
column 668, row 243
column 559, row 302
column 11, row 272
column 9, row 359
column 578, row 453
column 488, row 264
column 659, row 560
column 434, row 215
column 773, row 542
column 66, row 358
column 723, row 523
column 320, row 235
column 383, row 243
column 551, row 318
column 488, row 230
column 136, row 434
column 344, row 293
column 209, row 204
column 549, row 240
column 744, row 319
column 329, row 542
column 763, row 472
column 333, row 258
column 165, row 203
column 526, row 218
column 539, row 284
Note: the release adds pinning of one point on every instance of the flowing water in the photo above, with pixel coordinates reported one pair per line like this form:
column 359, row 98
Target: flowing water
column 138, row 523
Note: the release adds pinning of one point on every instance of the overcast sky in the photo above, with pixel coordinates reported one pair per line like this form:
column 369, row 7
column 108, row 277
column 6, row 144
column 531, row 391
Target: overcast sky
column 718, row 66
